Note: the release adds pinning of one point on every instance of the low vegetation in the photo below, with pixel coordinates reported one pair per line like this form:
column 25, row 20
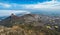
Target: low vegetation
column 28, row 30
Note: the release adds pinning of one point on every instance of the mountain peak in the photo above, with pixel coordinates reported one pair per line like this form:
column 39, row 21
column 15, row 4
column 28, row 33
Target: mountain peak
column 12, row 14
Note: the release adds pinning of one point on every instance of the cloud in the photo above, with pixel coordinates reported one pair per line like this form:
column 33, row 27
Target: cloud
column 16, row 8
column 9, row 12
column 45, row 5
column 4, row 5
column 7, row 5
column 55, row 5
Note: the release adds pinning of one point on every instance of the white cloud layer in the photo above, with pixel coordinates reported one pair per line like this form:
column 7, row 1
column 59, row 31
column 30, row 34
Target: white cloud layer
column 5, row 5
column 9, row 12
column 45, row 5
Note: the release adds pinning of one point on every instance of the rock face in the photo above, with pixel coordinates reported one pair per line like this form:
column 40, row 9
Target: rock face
column 13, row 19
column 9, row 20
column 34, row 19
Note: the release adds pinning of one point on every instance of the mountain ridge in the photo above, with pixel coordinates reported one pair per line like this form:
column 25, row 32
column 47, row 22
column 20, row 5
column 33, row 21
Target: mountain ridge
column 34, row 19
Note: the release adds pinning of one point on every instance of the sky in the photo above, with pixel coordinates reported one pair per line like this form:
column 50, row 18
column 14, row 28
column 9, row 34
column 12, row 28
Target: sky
column 18, row 4
column 23, row 1
column 26, row 6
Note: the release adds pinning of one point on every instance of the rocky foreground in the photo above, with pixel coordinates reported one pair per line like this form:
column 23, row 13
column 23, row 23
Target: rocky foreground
column 27, row 30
